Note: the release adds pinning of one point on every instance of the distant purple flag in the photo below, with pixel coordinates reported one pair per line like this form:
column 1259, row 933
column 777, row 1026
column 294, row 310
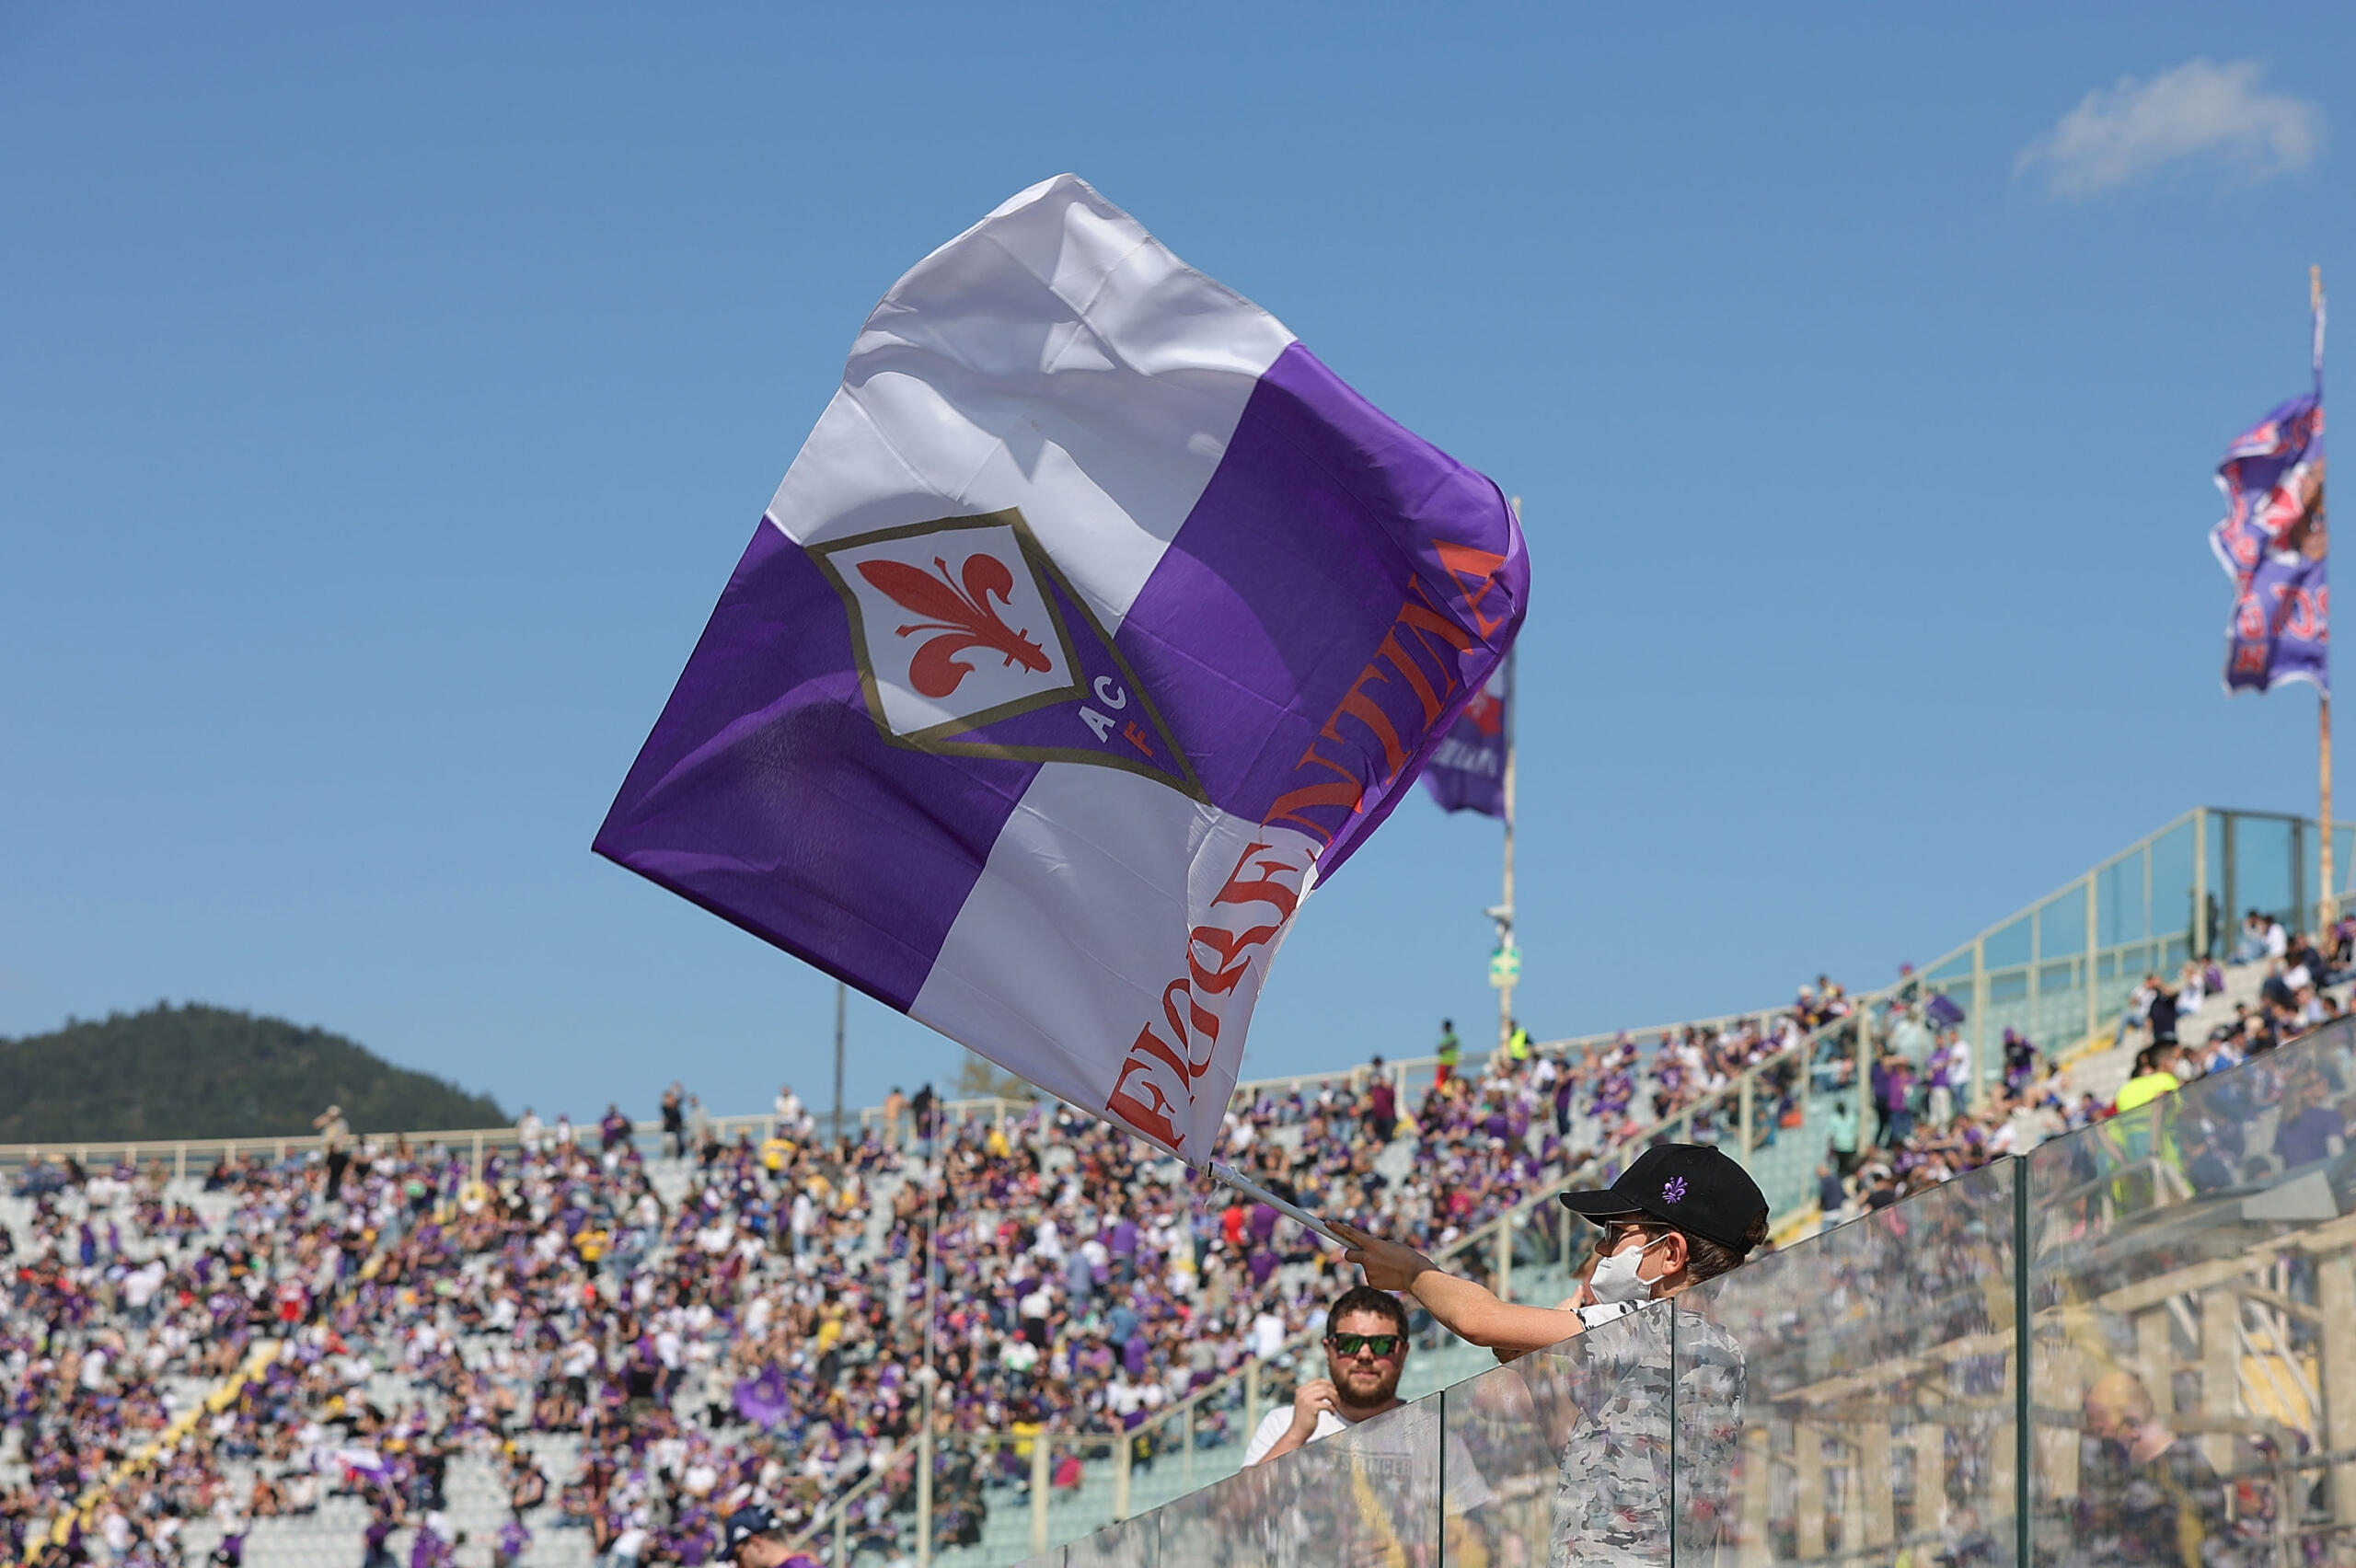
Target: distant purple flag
column 1468, row 770
column 2272, row 544
column 1096, row 625
column 762, row 1400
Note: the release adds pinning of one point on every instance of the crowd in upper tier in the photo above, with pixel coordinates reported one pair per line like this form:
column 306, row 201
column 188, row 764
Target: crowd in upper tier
column 641, row 1339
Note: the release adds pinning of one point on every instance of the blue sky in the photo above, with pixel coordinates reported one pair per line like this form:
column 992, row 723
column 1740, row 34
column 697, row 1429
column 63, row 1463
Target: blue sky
column 386, row 397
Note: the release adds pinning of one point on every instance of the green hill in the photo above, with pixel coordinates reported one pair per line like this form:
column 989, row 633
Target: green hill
column 199, row 1072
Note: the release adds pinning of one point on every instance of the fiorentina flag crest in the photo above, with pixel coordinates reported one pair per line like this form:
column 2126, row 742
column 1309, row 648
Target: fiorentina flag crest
column 1096, row 623
column 969, row 640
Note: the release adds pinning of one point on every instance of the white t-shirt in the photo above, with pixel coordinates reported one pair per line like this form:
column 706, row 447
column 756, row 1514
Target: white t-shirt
column 1403, row 1437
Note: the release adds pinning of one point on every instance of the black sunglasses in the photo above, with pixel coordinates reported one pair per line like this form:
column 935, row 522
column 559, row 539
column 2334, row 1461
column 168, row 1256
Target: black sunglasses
column 1384, row 1346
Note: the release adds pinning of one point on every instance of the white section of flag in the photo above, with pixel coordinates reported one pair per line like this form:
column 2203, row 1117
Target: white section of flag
column 1054, row 358
column 1083, row 886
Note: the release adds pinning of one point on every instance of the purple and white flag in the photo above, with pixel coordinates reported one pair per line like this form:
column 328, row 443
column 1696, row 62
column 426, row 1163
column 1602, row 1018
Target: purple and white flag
column 2273, row 544
column 1468, row 767
column 1095, row 624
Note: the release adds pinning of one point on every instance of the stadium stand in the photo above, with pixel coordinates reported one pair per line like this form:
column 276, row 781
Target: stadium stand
column 551, row 1344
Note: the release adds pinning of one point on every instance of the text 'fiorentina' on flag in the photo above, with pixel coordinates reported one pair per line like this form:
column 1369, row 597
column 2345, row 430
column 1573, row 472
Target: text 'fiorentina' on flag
column 1096, row 622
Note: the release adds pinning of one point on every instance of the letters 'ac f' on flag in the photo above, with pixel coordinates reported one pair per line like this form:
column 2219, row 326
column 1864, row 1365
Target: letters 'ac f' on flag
column 1096, row 622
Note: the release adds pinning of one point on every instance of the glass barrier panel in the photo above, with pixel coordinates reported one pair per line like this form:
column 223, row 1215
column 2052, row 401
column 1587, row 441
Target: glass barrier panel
column 2193, row 1283
column 1134, row 1543
column 2220, row 888
column 1172, row 1453
column 2007, row 953
column 1368, row 1495
column 2343, row 869
column 1852, row 1399
column 2008, row 944
column 2259, row 865
column 2123, row 909
column 1954, row 970
column 1085, row 1486
column 1563, row 1454
column 2061, row 922
column 2173, row 877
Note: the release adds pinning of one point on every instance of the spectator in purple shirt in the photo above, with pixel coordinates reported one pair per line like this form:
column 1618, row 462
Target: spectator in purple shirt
column 1122, row 1242
column 2305, row 1138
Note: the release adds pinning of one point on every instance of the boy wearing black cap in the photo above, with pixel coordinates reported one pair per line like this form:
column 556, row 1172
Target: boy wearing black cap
column 1678, row 1215
column 1681, row 1214
column 755, row 1539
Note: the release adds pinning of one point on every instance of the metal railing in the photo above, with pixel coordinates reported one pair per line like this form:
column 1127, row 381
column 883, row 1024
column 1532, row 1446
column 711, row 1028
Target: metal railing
column 184, row 1157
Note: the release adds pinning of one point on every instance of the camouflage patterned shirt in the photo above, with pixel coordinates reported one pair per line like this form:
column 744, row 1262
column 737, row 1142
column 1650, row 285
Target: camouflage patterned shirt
column 1617, row 1494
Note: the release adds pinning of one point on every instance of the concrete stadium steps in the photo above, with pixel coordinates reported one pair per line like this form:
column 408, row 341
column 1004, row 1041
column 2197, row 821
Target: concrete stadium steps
column 476, row 1507
column 1073, row 1511
column 2099, row 1069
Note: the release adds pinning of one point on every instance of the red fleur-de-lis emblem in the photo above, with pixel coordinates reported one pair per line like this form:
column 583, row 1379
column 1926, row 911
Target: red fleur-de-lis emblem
column 961, row 620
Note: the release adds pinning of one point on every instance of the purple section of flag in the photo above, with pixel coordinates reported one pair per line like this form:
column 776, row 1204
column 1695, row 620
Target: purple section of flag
column 1468, row 769
column 1288, row 631
column 2278, row 632
column 2272, row 543
column 767, row 795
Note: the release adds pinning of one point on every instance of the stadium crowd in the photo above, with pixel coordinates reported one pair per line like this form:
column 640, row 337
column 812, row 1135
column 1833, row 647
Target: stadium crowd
column 1926, row 1131
column 642, row 1339
column 755, row 1336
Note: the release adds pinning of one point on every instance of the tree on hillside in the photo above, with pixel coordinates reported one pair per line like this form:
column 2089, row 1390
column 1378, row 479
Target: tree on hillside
column 204, row 1072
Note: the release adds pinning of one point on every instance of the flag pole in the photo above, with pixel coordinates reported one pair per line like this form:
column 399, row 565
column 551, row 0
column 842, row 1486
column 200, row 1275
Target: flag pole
column 1228, row 1176
column 2331, row 904
column 841, row 994
column 1504, row 920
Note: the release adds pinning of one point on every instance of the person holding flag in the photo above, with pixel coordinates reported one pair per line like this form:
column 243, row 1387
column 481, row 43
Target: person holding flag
column 1680, row 1215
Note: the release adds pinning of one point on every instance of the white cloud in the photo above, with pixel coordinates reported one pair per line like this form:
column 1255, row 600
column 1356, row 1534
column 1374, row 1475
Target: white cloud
column 2199, row 111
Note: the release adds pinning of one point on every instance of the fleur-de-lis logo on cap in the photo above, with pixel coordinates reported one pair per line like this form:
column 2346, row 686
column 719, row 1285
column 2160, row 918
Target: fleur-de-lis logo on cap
column 1673, row 1190
column 961, row 620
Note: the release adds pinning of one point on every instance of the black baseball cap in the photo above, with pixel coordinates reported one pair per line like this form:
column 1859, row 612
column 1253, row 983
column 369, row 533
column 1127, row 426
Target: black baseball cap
column 745, row 1524
column 1692, row 1187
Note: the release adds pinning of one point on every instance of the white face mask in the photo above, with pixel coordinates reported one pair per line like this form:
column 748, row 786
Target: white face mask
column 1615, row 1281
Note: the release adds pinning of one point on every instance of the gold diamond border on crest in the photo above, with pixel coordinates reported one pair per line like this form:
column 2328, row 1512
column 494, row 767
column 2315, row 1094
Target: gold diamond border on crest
column 951, row 738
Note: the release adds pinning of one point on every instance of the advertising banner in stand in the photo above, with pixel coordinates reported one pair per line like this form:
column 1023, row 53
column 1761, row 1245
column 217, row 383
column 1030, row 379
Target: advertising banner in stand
column 1096, row 623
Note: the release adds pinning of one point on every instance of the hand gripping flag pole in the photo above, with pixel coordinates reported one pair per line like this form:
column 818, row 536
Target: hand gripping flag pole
column 1096, row 623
